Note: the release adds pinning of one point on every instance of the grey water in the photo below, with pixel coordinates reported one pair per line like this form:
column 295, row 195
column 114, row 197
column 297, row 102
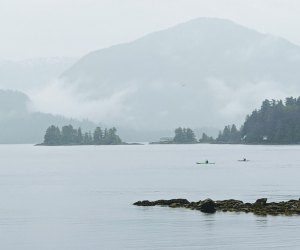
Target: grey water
column 80, row 197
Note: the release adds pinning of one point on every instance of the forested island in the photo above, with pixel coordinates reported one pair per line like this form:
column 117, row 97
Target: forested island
column 70, row 136
column 276, row 122
column 182, row 136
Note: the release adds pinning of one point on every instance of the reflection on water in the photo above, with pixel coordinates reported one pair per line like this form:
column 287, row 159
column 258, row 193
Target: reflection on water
column 80, row 197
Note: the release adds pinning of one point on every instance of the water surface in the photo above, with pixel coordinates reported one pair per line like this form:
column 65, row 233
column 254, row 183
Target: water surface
column 79, row 197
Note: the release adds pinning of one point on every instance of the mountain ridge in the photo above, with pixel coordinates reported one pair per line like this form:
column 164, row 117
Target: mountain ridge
column 199, row 73
column 32, row 73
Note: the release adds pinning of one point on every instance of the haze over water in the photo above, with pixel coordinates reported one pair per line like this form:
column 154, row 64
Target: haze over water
column 68, row 198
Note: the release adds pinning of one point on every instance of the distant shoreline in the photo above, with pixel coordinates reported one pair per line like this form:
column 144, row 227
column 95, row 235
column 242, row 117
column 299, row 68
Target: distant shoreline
column 67, row 145
column 227, row 143
column 158, row 143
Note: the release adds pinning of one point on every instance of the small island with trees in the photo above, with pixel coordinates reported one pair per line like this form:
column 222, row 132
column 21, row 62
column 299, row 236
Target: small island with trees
column 68, row 135
column 182, row 136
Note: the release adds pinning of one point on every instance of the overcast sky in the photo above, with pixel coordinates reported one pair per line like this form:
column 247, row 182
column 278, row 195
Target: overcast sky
column 46, row 28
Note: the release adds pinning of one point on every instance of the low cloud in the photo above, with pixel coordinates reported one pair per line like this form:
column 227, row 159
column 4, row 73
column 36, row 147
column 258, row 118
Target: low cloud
column 160, row 105
column 234, row 103
column 57, row 98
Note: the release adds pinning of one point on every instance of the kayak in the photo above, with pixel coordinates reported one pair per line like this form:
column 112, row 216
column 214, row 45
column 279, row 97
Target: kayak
column 205, row 163
column 243, row 160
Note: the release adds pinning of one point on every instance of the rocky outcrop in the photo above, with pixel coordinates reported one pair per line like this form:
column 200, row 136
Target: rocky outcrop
column 171, row 203
column 259, row 207
column 207, row 206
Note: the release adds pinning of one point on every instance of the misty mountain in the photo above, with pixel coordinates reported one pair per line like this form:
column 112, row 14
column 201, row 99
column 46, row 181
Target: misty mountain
column 32, row 73
column 19, row 125
column 13, row 102
column 206, row 72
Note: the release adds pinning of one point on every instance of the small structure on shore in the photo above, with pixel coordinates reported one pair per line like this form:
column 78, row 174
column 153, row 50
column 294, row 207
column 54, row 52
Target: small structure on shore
column 166, row 139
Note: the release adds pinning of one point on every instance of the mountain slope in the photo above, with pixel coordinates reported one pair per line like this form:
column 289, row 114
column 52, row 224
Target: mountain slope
column 205, row 72
column 32, row 73
column 19, row 125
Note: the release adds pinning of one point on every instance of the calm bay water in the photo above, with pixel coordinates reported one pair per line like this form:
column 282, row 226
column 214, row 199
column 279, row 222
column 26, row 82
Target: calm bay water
column 69, row 198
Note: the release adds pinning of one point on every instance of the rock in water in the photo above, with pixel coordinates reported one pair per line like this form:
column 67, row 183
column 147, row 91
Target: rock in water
column 207, row 206
column 144, row 203
column 259, row 207
column 261, row 202
column 179, row 202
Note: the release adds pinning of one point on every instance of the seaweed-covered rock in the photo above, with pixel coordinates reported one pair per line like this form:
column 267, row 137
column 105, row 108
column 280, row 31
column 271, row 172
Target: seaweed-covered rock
column 259, row 207
column 229, row 204
column 144, row 203
column 178, row 202
column 261, row 202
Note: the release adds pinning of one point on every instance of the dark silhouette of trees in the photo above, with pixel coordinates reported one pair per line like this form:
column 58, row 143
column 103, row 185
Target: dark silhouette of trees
column 98, row 136
column 52, row 136
column 230, row 134
column 79, row 136
column 206, row 139
column 274, row 123
column 184, row 135
column 70, row 136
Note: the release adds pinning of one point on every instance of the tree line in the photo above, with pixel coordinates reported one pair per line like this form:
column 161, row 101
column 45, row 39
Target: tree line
column 184, row 136
column 68, row 135
column 276, row 122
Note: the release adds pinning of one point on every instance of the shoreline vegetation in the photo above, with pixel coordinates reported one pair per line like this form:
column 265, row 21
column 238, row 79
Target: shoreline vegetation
column 277, row 122
column 69, row 136
column 259, row 207
column 182, row 136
